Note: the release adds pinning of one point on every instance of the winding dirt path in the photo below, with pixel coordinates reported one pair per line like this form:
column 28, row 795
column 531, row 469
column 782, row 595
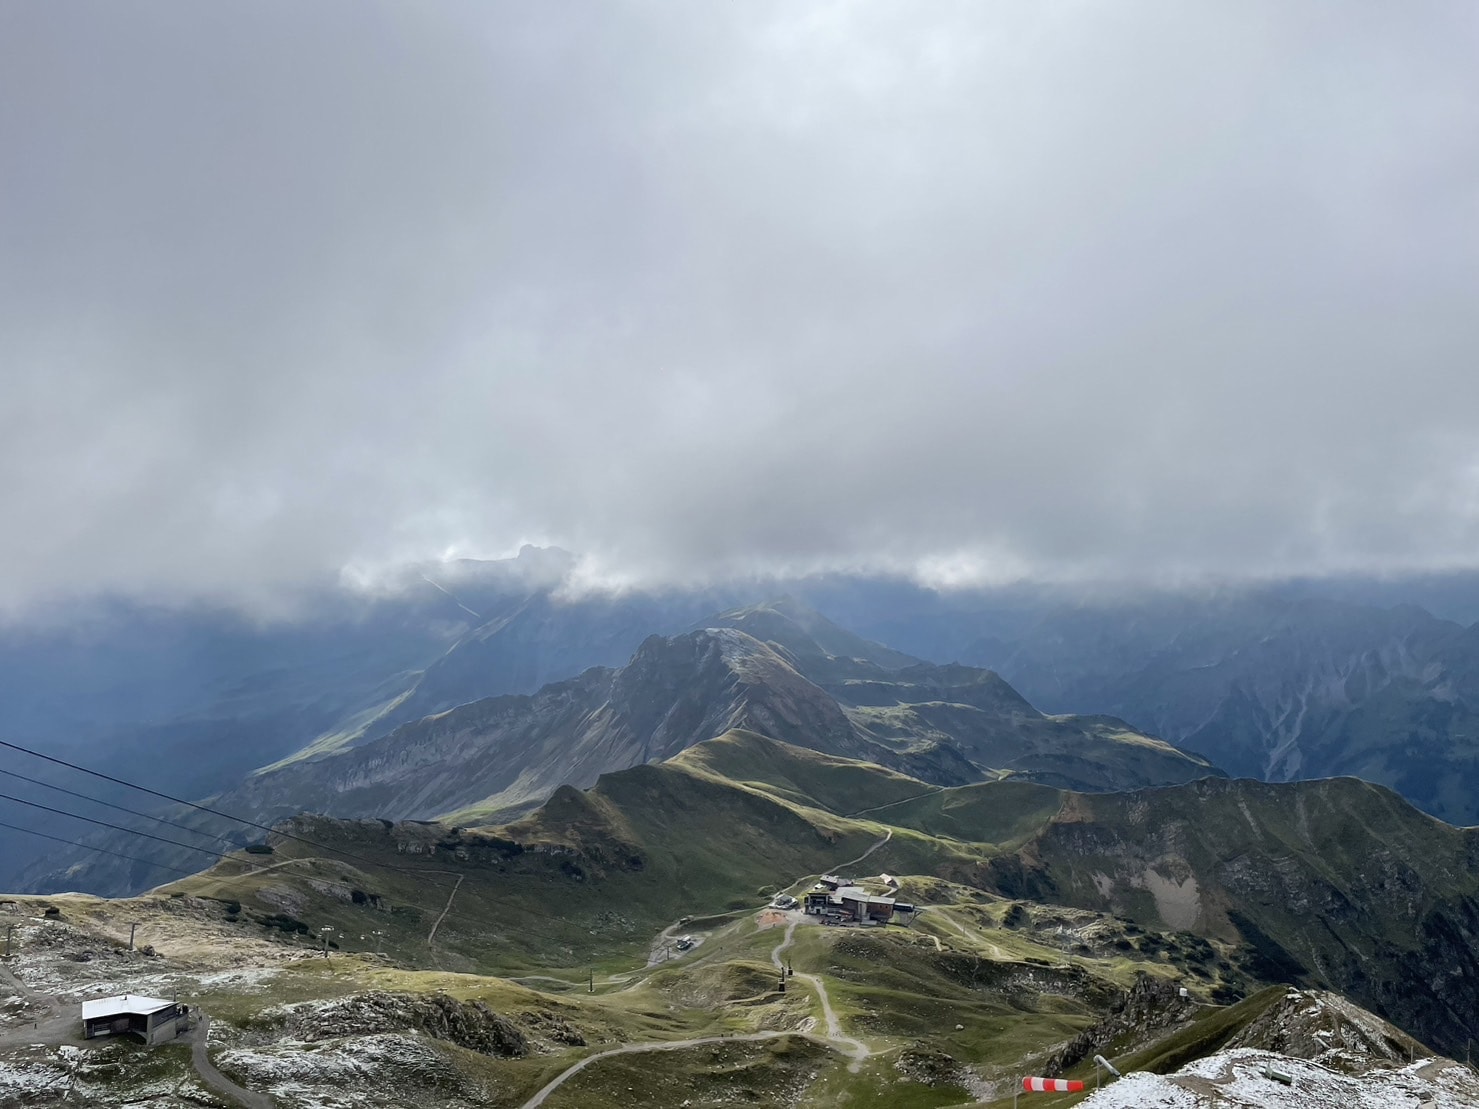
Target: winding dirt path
column 655, row 954
column 938, row 912
column 270, row 866
column 213, row 1077
column 786, row 941
column 667, row 1045
column 855, row 1050
column 457, row 885
column 887, row 835
column 900, row 801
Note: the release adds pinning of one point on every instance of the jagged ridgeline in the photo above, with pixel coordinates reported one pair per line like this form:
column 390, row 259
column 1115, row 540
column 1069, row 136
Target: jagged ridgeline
column 498, row 757
column 806, row 682
column 1231, row 883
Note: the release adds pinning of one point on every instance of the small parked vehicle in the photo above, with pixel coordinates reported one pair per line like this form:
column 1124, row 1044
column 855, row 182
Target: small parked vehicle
column 785, row 901
column 684, row 943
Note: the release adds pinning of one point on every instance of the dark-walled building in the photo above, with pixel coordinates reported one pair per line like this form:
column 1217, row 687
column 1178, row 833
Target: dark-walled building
column 155, row 1020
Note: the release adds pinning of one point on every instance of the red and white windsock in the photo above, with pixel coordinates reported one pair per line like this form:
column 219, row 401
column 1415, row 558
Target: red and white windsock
column 1052, row 1086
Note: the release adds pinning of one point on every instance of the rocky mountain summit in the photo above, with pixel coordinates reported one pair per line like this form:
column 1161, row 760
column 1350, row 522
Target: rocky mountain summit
column 497, row 757
column 500, row 756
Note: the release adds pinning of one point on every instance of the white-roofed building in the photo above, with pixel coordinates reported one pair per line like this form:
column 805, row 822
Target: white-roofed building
column 153, row 1018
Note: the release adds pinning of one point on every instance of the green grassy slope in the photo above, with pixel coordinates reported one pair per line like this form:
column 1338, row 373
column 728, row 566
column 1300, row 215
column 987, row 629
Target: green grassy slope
column 809, row 778
column 590, row 875
column 1335, row 882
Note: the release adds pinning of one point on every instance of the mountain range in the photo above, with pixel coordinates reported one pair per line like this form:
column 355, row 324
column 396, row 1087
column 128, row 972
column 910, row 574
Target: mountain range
column 1082, row 689
column 1274, row 689
column 1188, row 933
column 1277, row 682
column 497, row 757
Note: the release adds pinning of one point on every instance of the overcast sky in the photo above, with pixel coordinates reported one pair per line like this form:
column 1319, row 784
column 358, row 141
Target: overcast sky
column 979, row 290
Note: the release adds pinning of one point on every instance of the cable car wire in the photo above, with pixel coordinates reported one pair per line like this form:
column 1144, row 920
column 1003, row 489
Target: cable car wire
column 88, row 847
column 120, row 808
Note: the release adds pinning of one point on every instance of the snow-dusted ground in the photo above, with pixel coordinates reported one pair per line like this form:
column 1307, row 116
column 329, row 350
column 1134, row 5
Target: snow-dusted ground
column 72, row 964
column 103, row 1077
column 1234, row 1080
column 30, row 1072
column 366, row 1072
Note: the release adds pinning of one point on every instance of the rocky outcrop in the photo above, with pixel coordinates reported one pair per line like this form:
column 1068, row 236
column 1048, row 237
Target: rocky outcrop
column 502, row 755
column 469, row 1024
column 1147, row 1010
column 1325, row 1027
column 506, row 754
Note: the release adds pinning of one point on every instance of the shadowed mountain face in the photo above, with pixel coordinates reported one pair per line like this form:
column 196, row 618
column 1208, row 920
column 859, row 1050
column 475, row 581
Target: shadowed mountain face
column 191, row 701
column 500, row 756
column 907, row 706
column 503, row 754
column 1270, row 683
column 1276, row 684
column 543, row 638
column 1308, row 691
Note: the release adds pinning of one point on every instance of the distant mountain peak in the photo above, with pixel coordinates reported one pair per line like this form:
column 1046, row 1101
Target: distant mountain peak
column 807, row 633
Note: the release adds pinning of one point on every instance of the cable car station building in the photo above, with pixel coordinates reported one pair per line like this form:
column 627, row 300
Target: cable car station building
column 156, row 1020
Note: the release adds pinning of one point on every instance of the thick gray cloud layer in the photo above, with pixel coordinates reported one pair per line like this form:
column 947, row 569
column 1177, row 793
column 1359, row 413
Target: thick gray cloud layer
column 1055, row 289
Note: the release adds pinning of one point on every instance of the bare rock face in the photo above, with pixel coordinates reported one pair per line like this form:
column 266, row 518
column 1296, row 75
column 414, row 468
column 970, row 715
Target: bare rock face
column 1325, row 1027
column 509, row 753
column 386, row 1070
column 929, row 1066
column 1146, row 1010
column 468, row 1024
column 502, row 756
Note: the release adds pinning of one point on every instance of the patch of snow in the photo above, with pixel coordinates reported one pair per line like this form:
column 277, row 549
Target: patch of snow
column 95, row 1078
column 1143, row 1091
column 27, row 1077
column 1235, row 1079
column 240, row 980
column 381, row 1070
